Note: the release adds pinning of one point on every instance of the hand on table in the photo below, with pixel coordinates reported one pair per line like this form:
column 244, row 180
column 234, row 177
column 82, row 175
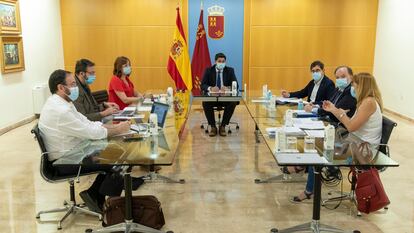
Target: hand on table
column 308, row 107
column 285, row 94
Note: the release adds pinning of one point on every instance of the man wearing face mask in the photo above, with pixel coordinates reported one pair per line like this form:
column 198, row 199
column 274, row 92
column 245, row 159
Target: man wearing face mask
column 63, row 128
column 320, row 88
column 86, row 103
column 342, row 97
column 217, row 78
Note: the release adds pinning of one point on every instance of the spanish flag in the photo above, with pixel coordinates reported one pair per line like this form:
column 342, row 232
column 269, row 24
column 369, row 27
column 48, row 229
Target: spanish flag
column 179, row 66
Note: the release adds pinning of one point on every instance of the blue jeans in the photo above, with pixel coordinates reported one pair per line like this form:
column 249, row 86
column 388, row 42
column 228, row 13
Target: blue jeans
column 311, row 180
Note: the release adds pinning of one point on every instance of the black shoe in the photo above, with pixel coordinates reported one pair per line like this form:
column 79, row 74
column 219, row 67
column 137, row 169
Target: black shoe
column 90, row 202
column 213, row 132
column 136, row 182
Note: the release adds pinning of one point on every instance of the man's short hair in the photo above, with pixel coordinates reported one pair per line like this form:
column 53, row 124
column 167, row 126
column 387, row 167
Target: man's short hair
column 56, row 78
column 317, row 63
column 82, row 65
column 220, row 55
column 350, row 72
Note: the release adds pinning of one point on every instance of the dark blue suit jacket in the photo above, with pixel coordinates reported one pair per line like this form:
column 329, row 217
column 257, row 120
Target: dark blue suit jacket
column 325, row 91
column 341, row 99
column 210, row 76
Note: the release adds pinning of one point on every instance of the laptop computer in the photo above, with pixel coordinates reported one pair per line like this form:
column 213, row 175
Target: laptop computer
column 161, row 110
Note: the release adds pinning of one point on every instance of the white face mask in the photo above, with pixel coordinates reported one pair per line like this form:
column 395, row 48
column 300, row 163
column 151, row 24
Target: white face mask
column 221, row 66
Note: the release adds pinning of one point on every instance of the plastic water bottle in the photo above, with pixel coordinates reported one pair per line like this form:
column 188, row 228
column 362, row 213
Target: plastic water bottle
column 234, row 88
column 329, row 140
column 264, row 88
column 300, row 104
column 269, row 95
column 289, row 118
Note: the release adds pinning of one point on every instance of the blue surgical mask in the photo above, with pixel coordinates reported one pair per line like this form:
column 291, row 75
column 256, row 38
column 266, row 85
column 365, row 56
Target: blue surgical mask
column 90, row 79
column 127, row 70
column 74, row 93
column 341, row 83
column 316, row 76
column 221, row 66
column 353, row 92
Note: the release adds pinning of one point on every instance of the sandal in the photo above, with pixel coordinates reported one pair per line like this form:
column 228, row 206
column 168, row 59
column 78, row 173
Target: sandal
column 297, row 199
column 298, row 169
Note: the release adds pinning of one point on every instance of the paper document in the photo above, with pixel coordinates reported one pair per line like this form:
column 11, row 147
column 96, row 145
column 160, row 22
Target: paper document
column 144, row 108
column 290, row 131
column 300, row 159
column 120, row 117
column 308, row 123
column 315, row 133
column 290, row 100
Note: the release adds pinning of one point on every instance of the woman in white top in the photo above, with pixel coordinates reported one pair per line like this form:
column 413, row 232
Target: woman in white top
column 366, row 123
column 367, row 120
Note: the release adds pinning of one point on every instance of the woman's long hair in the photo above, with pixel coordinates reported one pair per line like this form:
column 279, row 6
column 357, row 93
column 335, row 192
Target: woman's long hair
column 367, row 87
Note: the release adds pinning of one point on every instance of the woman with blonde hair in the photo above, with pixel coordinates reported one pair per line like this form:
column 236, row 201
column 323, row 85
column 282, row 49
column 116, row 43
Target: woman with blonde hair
column 367, row 120
column 366, row 123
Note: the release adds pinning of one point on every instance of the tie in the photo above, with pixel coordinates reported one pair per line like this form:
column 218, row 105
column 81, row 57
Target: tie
column 218, row 82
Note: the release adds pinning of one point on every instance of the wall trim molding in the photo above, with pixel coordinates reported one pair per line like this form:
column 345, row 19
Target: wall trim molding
column 396, row 114
column 17, row 124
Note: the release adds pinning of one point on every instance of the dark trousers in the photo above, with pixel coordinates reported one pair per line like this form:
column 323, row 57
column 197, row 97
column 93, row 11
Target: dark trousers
column 228, row 112
column 108, row 184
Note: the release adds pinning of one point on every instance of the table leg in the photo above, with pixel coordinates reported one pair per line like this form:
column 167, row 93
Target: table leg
column 314, row 226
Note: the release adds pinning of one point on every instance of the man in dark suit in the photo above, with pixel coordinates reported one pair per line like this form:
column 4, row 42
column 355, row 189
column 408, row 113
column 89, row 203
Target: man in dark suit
column 320, row 88
column 86, row 103
column 341, row 97
column 217, row 78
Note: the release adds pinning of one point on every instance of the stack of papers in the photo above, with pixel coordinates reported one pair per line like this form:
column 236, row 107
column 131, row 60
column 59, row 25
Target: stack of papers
column 290, row 131
column 300, row 159
column 315, row 133
column 290, row 100
column 308, row 123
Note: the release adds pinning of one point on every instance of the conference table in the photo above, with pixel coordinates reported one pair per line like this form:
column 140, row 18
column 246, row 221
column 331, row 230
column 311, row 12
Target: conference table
column 161, row 149
column 148, row 151
column 267, row 115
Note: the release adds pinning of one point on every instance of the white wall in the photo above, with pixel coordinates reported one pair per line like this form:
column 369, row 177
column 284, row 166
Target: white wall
column 394, row 55
column 43, row 53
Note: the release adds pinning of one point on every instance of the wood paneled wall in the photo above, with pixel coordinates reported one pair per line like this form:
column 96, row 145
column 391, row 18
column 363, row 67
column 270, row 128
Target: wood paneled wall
column 142, row 30
column 282, row 38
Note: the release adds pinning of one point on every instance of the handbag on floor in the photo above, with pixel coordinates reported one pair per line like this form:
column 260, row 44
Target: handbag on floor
column 370, row 193
column 146, row 210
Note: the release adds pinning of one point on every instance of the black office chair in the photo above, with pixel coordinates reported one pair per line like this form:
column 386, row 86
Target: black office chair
column 48, row 172
column 204, row 125
column 100, row 96
column 387, row 127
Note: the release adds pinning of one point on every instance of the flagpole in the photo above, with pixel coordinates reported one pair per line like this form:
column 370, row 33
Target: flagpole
column 201, row 4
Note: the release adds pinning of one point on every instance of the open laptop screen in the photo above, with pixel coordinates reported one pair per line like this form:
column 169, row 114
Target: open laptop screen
column 161, row 110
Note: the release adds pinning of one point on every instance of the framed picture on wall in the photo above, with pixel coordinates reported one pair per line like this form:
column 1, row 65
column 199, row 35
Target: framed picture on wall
column 9, row 17
column 12, row 57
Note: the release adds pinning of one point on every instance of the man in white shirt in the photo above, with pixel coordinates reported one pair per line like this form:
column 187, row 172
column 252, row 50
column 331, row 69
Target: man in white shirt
column 63, row 127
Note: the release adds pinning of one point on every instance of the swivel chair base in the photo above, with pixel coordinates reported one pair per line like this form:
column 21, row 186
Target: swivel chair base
column 314, row 227
column 282, row 178
column 127, row 227
column 153, row 176
column 70, row 207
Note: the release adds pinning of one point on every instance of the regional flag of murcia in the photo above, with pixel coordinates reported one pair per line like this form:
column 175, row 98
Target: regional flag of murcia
column 216, row 22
